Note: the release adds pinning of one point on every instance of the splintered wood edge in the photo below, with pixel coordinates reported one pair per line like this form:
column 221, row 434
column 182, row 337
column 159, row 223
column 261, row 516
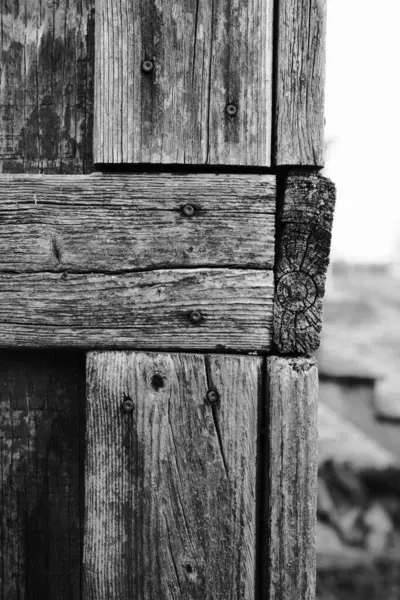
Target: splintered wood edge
column 304, row 229
column 289, row 550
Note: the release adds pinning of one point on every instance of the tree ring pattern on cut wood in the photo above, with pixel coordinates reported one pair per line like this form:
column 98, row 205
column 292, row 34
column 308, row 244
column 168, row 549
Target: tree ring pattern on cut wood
column 296, row 291
column 304, row 224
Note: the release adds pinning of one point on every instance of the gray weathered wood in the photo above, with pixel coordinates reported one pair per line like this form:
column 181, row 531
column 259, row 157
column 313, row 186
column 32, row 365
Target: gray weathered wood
column 42, row 397
column 46, row 92
column 138, row 310
column 304, row 227
column 133, row 222
column 300, row 78
column 170, row 486
column 206, row 55
column 289, row 550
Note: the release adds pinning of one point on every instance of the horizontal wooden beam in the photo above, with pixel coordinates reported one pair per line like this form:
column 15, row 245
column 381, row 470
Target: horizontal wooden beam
column 178, row 308
column 170, row 475
column 299, row 83
column 291, row 479
column 183, row 82
column 304, row 228
column 114, row 223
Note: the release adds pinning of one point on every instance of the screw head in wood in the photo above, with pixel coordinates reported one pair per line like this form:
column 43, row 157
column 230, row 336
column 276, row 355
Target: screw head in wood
column 127, row 405
column 195, row 316
column 147, row 66
column 188, row 210
column 212, row 396
column 231, row 110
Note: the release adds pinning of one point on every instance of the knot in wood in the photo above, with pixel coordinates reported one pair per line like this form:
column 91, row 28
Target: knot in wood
column 296, row 291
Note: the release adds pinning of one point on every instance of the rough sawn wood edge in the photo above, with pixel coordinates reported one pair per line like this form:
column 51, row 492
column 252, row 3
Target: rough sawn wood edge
column 289, row 546
column 305, row 210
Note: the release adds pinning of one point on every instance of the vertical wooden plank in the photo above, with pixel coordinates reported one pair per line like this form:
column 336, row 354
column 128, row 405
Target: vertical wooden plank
column 299, row 83
column 170, row 475
column 183, row 82
column 46, row 92
column 41, row 448
column 292, row 387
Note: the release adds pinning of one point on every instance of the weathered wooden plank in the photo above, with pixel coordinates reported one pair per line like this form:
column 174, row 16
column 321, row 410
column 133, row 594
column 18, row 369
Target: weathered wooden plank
column 46, row 91
column 170, row 476
column 305, row 217
column 134, row 222
column 300, row 79
column 183, row 82
column 41, row 478
column 178, row 308
column 289, row 550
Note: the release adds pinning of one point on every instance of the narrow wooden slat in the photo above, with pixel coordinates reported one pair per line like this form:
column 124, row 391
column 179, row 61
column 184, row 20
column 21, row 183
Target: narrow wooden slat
column 143, row 310
column 300, row 79
column 205, row 56
column 290, row 563
column 41, row 502
column 133, row 222
column 170, row 486
column 305, row 218
column 46, row 92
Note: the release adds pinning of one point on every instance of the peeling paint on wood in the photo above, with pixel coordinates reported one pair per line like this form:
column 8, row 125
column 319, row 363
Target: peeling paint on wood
column 170, row 485
column 46, row 91
column 203, row 57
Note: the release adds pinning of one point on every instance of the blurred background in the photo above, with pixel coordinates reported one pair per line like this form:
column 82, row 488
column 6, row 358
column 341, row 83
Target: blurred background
column 358, row 549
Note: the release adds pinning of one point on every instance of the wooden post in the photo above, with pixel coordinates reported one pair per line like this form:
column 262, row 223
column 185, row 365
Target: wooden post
column 292, row 479
column 196, row 296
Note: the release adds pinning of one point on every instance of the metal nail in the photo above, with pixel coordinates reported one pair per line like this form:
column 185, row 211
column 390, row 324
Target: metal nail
column 231, row 110
column 127, row 405
column 212, row 396
column 188, row 210
column 195, row 316
column 147, row 66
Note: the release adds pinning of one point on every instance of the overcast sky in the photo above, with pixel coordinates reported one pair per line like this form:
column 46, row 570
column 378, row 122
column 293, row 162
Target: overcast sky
column 363, row 126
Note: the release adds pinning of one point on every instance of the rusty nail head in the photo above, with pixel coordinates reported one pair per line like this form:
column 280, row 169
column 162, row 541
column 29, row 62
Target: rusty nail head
column 188, row 210
column 147, row 66
column 127, row 405
column 212, row 396
column 231, row 110
column 195, row 316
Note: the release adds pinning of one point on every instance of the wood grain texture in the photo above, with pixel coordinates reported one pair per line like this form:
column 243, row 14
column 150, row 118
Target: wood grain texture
column 46, row 91
column 290, row 556
column 304, row 228
column 170, row 486
column 41, row 478
column 119, row 222
column 142, row 310
column 299, row 83
column 206, row 55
